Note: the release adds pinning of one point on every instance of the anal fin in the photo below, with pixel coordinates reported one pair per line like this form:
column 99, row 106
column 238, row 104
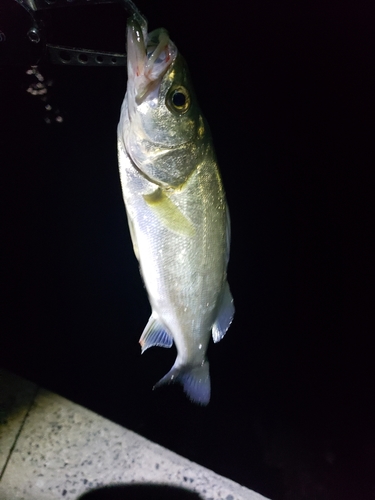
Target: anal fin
column 154, row 334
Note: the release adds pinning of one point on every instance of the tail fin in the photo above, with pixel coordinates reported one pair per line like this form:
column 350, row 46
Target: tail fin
column 195, row 381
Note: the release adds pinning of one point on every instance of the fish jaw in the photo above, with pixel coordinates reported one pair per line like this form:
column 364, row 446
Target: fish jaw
column 149, row 57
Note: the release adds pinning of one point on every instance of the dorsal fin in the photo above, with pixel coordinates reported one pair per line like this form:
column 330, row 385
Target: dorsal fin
column 225, row 315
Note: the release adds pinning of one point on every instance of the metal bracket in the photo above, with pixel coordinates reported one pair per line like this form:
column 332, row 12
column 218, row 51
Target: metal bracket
column 83, row 57
column 72, row 56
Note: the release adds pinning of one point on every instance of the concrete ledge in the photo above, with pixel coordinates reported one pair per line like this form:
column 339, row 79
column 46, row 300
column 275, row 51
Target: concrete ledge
column 52, row 448
column 16, row 397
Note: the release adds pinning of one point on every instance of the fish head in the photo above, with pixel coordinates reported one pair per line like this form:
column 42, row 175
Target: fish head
column 163, row 119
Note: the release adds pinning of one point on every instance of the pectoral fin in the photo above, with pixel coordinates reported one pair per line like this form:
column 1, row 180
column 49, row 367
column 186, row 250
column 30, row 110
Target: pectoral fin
column 225, row 315
column 170, row 215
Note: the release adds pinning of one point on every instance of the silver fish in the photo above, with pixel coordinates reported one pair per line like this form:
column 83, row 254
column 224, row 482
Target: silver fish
column 175, row 202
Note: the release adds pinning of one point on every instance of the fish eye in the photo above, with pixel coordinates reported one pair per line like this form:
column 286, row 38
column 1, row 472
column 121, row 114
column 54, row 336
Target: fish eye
column 178, row 99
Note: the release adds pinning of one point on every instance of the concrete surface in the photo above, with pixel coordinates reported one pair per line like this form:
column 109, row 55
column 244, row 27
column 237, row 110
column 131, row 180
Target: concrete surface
column 52, row 448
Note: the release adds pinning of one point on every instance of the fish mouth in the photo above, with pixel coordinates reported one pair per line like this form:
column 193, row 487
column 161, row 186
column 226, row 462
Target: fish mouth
column 149, row 57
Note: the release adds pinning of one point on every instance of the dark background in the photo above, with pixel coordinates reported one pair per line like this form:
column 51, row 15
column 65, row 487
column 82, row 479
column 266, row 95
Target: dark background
column 288, row 90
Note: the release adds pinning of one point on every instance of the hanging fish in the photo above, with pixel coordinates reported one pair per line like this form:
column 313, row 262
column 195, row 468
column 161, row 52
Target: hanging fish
column 176, row 207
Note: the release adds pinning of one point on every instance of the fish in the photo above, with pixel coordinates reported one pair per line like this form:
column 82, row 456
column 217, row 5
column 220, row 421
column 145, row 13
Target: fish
column 176, row 207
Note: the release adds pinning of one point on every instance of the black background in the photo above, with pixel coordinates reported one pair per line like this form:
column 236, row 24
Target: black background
column 288, row 90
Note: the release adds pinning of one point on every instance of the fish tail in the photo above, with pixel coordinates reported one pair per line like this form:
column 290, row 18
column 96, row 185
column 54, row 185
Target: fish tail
column 195, row 381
